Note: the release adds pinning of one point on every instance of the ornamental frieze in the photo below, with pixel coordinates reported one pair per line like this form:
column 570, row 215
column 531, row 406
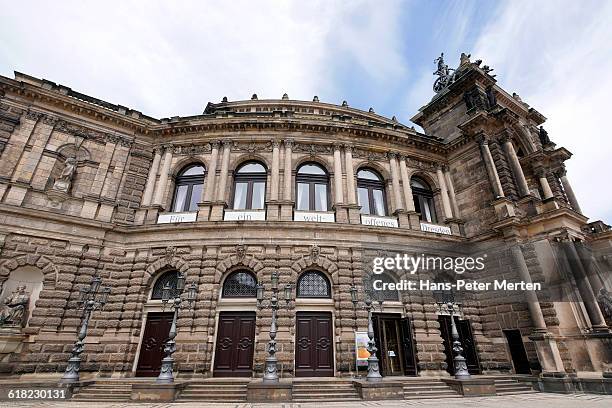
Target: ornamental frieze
column 369, row 155
column 312, row 149
column 251, row 147
column 93, row 135
column 418, row 164
column 192, row 150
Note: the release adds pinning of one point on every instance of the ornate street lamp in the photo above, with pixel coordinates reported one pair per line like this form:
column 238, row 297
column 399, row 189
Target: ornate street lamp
column 271, row 370
column 445, row 299
column 173, row 297
column 368, row 304
column 92, row 298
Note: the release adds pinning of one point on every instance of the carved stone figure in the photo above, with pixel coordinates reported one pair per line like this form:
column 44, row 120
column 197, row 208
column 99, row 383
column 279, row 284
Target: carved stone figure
column 464, row 59
column 445, row 77
column 14, row 309
column 64, row 181
column 491, row 98
column 543, row 134
column 605, row 300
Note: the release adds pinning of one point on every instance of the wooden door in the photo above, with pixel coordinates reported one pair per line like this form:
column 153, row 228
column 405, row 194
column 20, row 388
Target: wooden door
column 395, row 345
column 314, row 354
column 235, row 345
column 517, row 352
column 152, row 346
column 467, row 342
column 409, row 347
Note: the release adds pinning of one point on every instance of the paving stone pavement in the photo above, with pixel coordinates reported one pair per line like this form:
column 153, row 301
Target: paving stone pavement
column 509, row 401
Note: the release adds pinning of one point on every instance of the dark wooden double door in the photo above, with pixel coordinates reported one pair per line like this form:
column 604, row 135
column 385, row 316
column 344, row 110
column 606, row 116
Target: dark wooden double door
column 314, row 353
column 235, row 345
column 396, row 344
column 152, row 346
column 467, row 342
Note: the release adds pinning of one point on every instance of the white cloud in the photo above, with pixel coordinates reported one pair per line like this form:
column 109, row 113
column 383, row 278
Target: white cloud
column 170, row 58
column 557, row 57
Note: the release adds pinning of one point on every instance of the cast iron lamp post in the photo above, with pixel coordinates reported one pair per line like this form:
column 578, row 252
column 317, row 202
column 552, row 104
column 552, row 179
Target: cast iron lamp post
column 368, row 304
column 92, row 298
column 173, row 296
column 446, row 301
column 271, row 370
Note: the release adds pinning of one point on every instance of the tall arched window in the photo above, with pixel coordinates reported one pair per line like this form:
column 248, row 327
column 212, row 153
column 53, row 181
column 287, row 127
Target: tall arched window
column 313, row 284
column 250, row 186
column 188, row 189
column 371, row 192
column 169, row 277
column 312, row 187
column 370, row 285
column 240, row 284
column 423, row 199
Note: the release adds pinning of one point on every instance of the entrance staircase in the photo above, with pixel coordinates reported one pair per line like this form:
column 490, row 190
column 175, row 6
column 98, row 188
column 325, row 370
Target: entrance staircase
column 321, row 390
column 104, row 390
column 427, row 388
column 511, row 386
column 214, row 390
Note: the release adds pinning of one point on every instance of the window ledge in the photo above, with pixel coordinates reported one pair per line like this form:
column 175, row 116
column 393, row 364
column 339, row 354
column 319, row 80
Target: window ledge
column 244, row 215
column 379, row 221
column 436, row 228
column 176, row 217
column 314, row 216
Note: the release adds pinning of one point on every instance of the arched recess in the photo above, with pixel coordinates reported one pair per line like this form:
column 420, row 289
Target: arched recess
column 318, row 263
column 239, row 259
column 160, row 266
column 33, row 271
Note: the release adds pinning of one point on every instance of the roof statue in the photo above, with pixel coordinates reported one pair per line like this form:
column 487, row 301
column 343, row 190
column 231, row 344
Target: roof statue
column 445, row 76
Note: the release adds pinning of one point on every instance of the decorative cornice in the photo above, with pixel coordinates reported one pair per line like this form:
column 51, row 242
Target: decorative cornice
column 312, row 149
column 93, row 135
column 251, row 147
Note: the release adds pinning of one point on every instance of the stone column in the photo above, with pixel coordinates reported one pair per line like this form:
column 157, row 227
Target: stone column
column 209, row 188
column 408, row 199
column 287, row 204
column 451, row 192
column 224, row 171
column 216, row 213
column 273, row 204
column 490, row 165
column 163, row 178
column 339, row 207
column 350, row 175
column 517, row 170
column 275, row 170
column 397, row 195
column 353, row 208
column 544, row 184
column 584, row 286
column 205, row 204
column 535, row 311
column 569, row 192
column 151, row 178
column 448, row 213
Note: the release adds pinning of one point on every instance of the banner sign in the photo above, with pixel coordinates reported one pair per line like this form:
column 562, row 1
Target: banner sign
column 313, row 216
column 171, row 218
column 361, row 348
column 231, row 215
column 376, row 221
column 439, row 229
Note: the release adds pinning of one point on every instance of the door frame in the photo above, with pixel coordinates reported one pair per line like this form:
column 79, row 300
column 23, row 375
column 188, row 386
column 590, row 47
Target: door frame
column 213, row 354
column 316, row 305
column 233, row 305
column 148, row 309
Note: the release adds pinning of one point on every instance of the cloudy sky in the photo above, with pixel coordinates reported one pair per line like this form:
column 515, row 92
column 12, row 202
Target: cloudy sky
column 171, row 58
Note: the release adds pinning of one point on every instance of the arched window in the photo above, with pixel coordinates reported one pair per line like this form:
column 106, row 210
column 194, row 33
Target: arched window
column 169, row 277
column 423, row 199
column 240, row 284
column 385, row 294
column 313, row 284
column 371, row 192
column 250, row 187
column 312, row 187
column 188, row 189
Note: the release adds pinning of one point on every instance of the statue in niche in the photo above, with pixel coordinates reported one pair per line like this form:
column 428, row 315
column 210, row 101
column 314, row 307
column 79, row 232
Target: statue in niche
column 543, row 134
column 64, row 181
column 13, row 311
column 491, row 98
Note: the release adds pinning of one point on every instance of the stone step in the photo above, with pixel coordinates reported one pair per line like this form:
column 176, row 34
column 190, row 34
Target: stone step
column 217, row 387
column 440, row 387
column 331, row 399
column 517, row 392
column 323, row 393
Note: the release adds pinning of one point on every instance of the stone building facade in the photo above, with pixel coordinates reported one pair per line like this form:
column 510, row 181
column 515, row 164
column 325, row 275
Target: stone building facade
column 313, row 191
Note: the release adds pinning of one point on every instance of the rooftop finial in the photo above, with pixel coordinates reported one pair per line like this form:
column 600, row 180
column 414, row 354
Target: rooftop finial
column 344, row 103
column 224, row 99
column 371, row 110
column 254, row 97
column 315, row 99
column 285, row 96
column 394, row 119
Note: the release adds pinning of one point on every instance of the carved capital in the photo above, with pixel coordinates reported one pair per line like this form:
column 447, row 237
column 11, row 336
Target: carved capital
column 50, row 120
column 275, row 143
column 482, row 138
column 33, row 115
column 288, row 143
column 214, row 144
column 337, row 146
column 392, row 155
column 348, row 148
